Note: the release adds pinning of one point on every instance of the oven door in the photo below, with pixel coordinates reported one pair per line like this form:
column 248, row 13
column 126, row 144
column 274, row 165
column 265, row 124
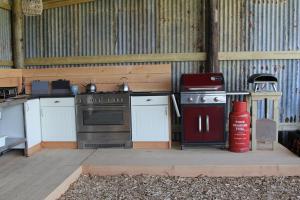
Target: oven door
column 103, row 118
column 204, row 124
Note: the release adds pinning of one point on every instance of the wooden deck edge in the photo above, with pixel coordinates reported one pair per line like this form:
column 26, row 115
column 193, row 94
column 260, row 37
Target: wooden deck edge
column 59, row 145
column 194, row 171
column 63, row 187
column 34, row 149
column 151, row 145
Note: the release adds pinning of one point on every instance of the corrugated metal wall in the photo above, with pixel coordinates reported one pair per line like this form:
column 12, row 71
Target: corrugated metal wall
column 263, row 25
column 5, row 36
column 116, row 27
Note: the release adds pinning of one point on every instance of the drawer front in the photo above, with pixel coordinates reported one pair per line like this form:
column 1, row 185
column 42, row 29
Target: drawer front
column 149, row 100
column 57, row 102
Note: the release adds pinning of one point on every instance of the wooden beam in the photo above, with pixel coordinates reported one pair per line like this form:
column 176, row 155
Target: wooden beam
column 213, row 37
column 47, row 4
column 129, row 58
column 18, row 25
column 4, row 4
column 169, row 57
column 6, row 63
column 263, row 55
column 289, row 126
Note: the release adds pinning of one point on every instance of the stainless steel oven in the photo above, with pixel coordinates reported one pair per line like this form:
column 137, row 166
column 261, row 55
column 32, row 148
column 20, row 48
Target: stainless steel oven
column 103, row 120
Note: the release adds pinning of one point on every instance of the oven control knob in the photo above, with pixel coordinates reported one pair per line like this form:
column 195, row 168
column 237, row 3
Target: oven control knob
column 202, row 99
column 190, row 99
column 216, row 99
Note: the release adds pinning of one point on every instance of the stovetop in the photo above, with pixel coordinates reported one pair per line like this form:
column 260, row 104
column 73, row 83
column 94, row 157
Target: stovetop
column 103, row 98
column 101, row 92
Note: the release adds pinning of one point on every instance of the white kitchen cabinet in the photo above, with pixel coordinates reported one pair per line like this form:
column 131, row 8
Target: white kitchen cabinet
column 58, row 120
column 32, row 122
column 150, row 120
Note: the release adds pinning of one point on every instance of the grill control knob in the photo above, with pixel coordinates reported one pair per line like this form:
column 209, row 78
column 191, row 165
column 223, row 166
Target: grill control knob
column 190, row 99
column 202, row 99
column 216, row 99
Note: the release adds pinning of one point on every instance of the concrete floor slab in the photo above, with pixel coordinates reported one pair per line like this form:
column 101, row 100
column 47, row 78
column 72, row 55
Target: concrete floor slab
column 38, row 176
column 193, row 162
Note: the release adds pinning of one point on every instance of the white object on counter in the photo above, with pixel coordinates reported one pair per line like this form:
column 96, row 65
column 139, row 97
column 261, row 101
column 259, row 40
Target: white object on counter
column 2, row 140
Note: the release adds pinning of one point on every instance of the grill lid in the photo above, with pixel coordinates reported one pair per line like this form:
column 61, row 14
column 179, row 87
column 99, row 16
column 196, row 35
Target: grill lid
column 202, row 82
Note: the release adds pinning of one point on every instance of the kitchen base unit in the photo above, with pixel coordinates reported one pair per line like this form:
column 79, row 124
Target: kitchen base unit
column 151, row 122
column 58, row 121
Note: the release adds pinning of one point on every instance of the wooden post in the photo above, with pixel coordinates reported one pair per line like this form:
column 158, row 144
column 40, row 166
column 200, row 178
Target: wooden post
column 212, row 37
column 18, row 25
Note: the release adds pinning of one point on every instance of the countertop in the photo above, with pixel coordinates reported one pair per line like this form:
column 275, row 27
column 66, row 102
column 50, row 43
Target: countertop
column 166, row 93
column 50, row 96
column 12, row 102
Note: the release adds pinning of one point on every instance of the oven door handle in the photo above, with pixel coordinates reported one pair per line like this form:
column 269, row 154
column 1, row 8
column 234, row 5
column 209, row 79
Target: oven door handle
column 207, row 123
column 200, row 124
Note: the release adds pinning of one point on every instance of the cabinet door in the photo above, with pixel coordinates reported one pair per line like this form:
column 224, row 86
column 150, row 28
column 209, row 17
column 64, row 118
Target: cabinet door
column 32, row 122
column 150, row 123
column 58, row 124
column 204, row 124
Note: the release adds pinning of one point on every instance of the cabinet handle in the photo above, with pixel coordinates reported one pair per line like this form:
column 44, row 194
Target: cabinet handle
column 27, row 107
column 56, row 101
column 149, row 100
column 42, row 115
column 207, row 123
column 166, row 109
column 200, row 124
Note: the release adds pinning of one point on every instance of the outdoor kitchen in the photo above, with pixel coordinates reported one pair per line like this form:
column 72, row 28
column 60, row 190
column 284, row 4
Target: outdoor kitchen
column 149, row 99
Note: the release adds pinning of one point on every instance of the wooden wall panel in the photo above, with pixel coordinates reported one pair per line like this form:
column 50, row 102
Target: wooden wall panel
column 11, row 78
column 139, row 77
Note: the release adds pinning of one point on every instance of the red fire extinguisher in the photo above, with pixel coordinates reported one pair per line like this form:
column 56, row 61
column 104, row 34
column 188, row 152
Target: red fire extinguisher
column 239, row 127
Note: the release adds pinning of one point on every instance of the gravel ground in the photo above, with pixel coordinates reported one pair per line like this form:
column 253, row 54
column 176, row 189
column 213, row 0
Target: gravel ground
column 159, row 187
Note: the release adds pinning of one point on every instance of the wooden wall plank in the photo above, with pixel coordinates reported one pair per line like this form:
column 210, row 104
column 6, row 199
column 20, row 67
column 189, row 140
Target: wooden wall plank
column 263, row 55
column 168, row 57
column 139, row 77
column 47, row 4
column 129, row 58
column 6, row 63
column 11, row 78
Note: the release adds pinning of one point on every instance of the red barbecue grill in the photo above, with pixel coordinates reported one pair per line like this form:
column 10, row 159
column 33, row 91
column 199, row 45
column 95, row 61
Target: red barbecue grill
column 203, row 108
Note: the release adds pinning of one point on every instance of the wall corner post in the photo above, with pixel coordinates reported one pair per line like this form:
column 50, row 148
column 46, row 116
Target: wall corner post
column 17, row 30
column 213, row 38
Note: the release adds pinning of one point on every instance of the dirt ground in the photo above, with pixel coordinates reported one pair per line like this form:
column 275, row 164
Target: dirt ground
column 164, row 187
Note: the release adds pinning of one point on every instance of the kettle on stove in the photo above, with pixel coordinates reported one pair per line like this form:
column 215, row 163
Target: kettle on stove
column 90, row 88
column 124, row 87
